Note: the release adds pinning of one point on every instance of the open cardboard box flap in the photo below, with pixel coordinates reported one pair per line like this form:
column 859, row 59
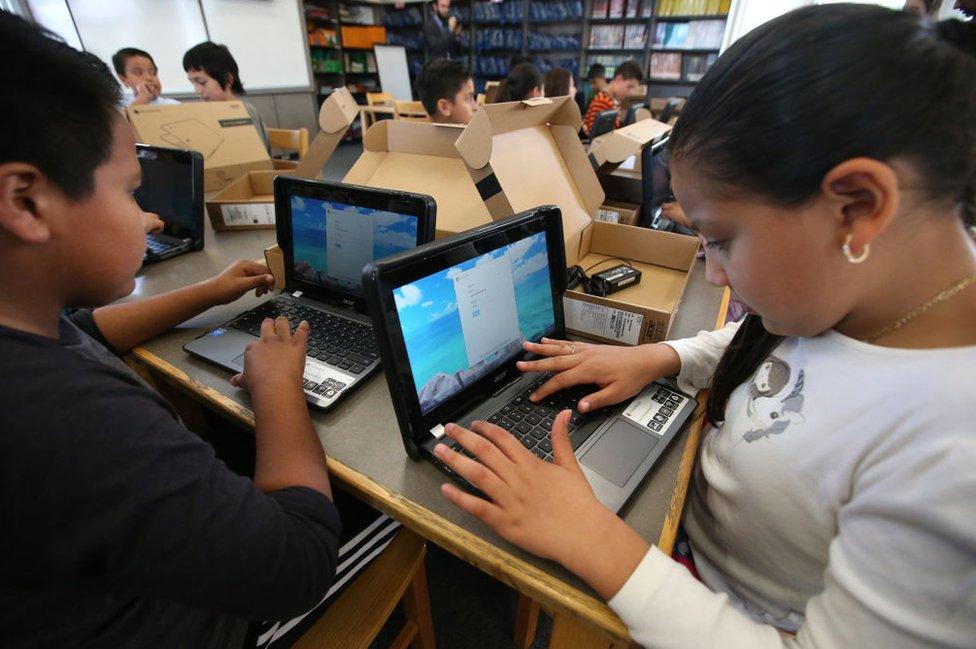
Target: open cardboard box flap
column 524, row 154
column 421, row 157
column 618, row 145
column 246, row 203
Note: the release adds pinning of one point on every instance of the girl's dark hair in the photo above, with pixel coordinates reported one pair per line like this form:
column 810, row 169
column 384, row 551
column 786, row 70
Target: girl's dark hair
column 815, row 87
column 217, row 62
column 520, row 81
column 557, row 82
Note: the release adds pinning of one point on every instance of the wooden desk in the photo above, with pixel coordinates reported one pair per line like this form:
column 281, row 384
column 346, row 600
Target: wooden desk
column 366, row 456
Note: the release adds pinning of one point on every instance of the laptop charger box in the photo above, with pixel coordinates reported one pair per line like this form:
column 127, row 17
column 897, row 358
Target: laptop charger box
column 524, row 154
column 248, row 202
column 222, row 131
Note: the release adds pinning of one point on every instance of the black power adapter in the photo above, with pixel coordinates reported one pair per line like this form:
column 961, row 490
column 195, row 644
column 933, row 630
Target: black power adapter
column 605, row 282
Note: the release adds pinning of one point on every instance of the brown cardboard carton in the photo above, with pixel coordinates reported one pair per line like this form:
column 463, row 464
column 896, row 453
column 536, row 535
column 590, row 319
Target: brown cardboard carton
column 525, row 154
column 618, row 212
column 275, row 260
column 642, row 313
column 222, row 131
column 421, row 157
column 617, row 158
column 248, row 202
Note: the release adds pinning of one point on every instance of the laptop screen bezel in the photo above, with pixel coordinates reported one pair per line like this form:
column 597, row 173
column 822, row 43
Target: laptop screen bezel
column 285, row 187
column 193, row 161
column 405, row 268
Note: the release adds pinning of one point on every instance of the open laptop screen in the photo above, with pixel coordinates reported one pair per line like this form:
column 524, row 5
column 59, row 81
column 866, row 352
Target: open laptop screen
column 168, row 190
column 333, row 241
column 460, row 323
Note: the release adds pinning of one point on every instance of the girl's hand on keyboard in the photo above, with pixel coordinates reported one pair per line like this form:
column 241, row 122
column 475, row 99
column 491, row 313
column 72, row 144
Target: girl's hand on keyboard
column 276, row 361
column 621, row 372
column 239, row 278
column 545, row 508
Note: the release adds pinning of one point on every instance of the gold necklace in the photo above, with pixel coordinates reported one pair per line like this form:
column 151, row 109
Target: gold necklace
column 922, row 308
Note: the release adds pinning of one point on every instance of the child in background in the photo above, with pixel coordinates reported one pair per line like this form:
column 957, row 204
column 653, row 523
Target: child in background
column 523, row 82
column 626, row 77
column 215, row 77
column 559, row 83
column 122, row 527
column 833, row 500
column 446, row 90
column 596, row 81
column 139, row 75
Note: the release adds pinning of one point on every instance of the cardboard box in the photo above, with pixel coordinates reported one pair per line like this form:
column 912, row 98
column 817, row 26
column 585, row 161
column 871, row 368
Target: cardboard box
column 617, row 158
column 248, row 202
column 222, row 131
column 642, row 313
column 525, row 154
column 421, row 157
column 618, row 212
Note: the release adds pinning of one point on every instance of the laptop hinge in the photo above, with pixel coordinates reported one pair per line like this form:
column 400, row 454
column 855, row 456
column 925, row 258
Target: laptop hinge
column 507, row 385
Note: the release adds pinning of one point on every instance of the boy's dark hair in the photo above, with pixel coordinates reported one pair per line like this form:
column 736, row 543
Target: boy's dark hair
column 440, row 79
column 519, row 83
column 101, row 66
column 216, row 61
column 518, row 59
column 119, row 58
column 596, row 71
column 818, row 86
column 65, row 140
column 629, row 69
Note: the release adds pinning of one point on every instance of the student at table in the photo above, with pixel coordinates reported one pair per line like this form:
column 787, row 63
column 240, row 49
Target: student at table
column 833, row 503
column 121, row 527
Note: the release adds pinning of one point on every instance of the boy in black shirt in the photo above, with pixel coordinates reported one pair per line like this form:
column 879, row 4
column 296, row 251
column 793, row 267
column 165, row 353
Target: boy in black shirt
column 121, row 528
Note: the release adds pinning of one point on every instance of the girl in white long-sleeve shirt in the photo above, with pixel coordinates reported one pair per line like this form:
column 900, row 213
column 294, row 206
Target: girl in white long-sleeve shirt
column 825, row 159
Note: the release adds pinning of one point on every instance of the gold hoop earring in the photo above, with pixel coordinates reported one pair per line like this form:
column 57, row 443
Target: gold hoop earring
column 859, row 259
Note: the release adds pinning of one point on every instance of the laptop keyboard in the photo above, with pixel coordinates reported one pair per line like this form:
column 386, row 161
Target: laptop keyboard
column 531, row 423
column 156, row 247
column 334, row 340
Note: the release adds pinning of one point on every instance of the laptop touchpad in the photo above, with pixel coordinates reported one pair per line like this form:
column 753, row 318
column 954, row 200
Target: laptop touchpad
column 238, row 362
column 618, row 452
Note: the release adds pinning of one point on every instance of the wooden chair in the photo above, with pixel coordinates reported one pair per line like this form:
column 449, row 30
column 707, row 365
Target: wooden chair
column 356, row 617
column 377, row 103
column 412, row 111
column 481, row 99
column 491, row 91
column 289, row 139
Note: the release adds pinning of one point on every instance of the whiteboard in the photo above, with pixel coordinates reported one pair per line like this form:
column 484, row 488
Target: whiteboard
column 164, row 29
column 54, row 15
column 391, row 63
column 266, row 37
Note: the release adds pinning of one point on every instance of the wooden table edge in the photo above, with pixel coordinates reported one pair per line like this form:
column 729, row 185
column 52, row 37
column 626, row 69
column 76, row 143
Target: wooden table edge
column 525, row 578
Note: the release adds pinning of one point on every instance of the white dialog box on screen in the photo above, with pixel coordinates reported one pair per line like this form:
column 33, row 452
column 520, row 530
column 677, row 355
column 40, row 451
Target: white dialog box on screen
column 486, row 305
column 350, row 239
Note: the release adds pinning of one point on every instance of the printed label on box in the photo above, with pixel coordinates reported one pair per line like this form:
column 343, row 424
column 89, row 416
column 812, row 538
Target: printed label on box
column 609, row 216
column 248, row 214
column 603, row 321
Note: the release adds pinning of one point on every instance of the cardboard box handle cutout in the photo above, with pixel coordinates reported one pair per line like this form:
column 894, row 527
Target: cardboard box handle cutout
column 336, row 114
column 275, row 259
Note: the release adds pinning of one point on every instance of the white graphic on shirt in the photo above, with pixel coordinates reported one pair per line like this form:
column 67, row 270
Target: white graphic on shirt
column 767, row 409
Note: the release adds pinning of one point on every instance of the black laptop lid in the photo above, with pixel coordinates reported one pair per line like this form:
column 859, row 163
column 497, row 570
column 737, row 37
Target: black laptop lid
column 450, row 317
column 329, row 231
column 172, row 187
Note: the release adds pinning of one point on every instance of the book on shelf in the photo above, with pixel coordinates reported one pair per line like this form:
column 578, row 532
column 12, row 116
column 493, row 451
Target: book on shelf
column 607, row 36
column 600, row 8
column 635, row 36
column 696, row 34
column 693, row 7
column 616, row 8
column 632, row 7
column 666, row 65
column 694, row 66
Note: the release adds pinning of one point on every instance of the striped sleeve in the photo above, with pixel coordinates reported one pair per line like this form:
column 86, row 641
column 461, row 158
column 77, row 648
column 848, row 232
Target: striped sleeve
column 600, row 103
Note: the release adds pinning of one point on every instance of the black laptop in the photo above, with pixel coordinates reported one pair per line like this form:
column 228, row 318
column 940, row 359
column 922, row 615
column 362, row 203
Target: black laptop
column 328, row 232
column 450, row 320
column 172, row 187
